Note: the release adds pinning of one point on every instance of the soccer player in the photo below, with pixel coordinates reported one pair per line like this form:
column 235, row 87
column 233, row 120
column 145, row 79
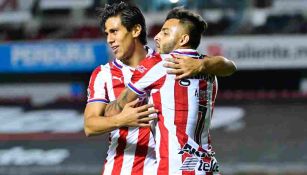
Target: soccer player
column 131, row 149
column 185, row 106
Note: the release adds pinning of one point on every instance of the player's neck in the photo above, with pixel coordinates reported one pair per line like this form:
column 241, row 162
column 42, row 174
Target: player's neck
column 138, row 55
column 184, row 47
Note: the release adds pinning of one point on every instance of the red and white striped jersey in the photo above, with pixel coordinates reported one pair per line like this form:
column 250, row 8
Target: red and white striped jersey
column 131, row 149
column 185, row 112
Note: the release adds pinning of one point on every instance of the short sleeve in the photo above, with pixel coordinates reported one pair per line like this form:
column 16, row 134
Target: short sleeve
column 97, row 88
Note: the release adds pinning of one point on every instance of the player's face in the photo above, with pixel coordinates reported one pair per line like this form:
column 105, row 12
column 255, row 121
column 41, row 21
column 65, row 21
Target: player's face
column 119, row 38
column 168, row 38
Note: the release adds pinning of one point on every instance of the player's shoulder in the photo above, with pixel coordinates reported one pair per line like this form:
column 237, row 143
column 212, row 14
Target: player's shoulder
column 151, row 60
column 97, row 69
column 102, row 69
column 105, row 66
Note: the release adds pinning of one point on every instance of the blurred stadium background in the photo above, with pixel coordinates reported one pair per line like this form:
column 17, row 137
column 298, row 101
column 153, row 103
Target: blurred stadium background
column 49, row 48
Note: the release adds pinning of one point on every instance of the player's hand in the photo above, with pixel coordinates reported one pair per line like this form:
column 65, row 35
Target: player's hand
column 183, row 66
column 133, row 116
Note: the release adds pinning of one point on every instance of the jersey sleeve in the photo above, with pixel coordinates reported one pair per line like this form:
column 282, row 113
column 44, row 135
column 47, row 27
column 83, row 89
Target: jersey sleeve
column 97, row 88
column 147, row 74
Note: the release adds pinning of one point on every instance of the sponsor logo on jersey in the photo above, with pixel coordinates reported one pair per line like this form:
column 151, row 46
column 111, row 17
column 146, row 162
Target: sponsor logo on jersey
column 198, row 160
column 208, row 165
column 192, row 151
column 189, row 164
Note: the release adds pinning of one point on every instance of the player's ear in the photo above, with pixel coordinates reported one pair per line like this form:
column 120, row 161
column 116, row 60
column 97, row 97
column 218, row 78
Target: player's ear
column 184, row 40
column 136, row 30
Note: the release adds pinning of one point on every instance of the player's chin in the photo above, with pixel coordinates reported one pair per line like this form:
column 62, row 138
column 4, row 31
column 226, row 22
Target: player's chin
column 118, row 55
column 158, row 50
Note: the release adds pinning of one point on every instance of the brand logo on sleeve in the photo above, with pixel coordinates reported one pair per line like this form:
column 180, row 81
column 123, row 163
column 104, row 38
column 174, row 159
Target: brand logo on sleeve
column 118, row 78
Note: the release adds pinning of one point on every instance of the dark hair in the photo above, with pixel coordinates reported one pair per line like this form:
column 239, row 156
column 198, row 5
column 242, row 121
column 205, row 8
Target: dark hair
column 195, row 24
column 130, row 16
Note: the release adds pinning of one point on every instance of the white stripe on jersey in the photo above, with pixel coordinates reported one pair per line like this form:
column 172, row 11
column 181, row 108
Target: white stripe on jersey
column 193, row 104
column 108, row 78
column 111, row 151
column 127, row 76
column 130, row 150
column 151, row 155
column 168, row 106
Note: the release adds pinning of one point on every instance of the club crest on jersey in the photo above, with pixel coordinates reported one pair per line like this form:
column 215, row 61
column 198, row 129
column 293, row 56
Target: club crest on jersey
column 184, row 82
column 141, row 68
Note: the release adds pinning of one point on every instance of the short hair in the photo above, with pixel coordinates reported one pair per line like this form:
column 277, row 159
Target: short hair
column 195, row 24
column 130, row 16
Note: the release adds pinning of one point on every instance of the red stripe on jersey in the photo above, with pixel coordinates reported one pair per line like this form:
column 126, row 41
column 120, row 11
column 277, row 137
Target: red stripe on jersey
column 163, row 167
column 107, row 93
column 103, row 167
column 141, row 151
column 181, row 117
column 181, row 112
column 119, row 158
column 92, row 81
column 118, row 85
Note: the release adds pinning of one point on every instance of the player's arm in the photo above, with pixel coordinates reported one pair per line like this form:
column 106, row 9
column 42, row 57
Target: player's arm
column 184, row 66
column 96, row 123
column 127, row 96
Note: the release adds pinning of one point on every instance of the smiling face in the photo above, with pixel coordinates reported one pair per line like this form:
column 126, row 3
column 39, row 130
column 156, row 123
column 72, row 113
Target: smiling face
column 170, row 37
column 119, row 38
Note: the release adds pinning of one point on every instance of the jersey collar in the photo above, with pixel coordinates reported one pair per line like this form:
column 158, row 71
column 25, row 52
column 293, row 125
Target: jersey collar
column 187, row 52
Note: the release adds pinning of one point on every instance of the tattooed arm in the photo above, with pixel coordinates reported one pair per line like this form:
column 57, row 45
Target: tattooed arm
column 96, row 123
column 101, row 118
column 117, row 106
column 122, row 104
